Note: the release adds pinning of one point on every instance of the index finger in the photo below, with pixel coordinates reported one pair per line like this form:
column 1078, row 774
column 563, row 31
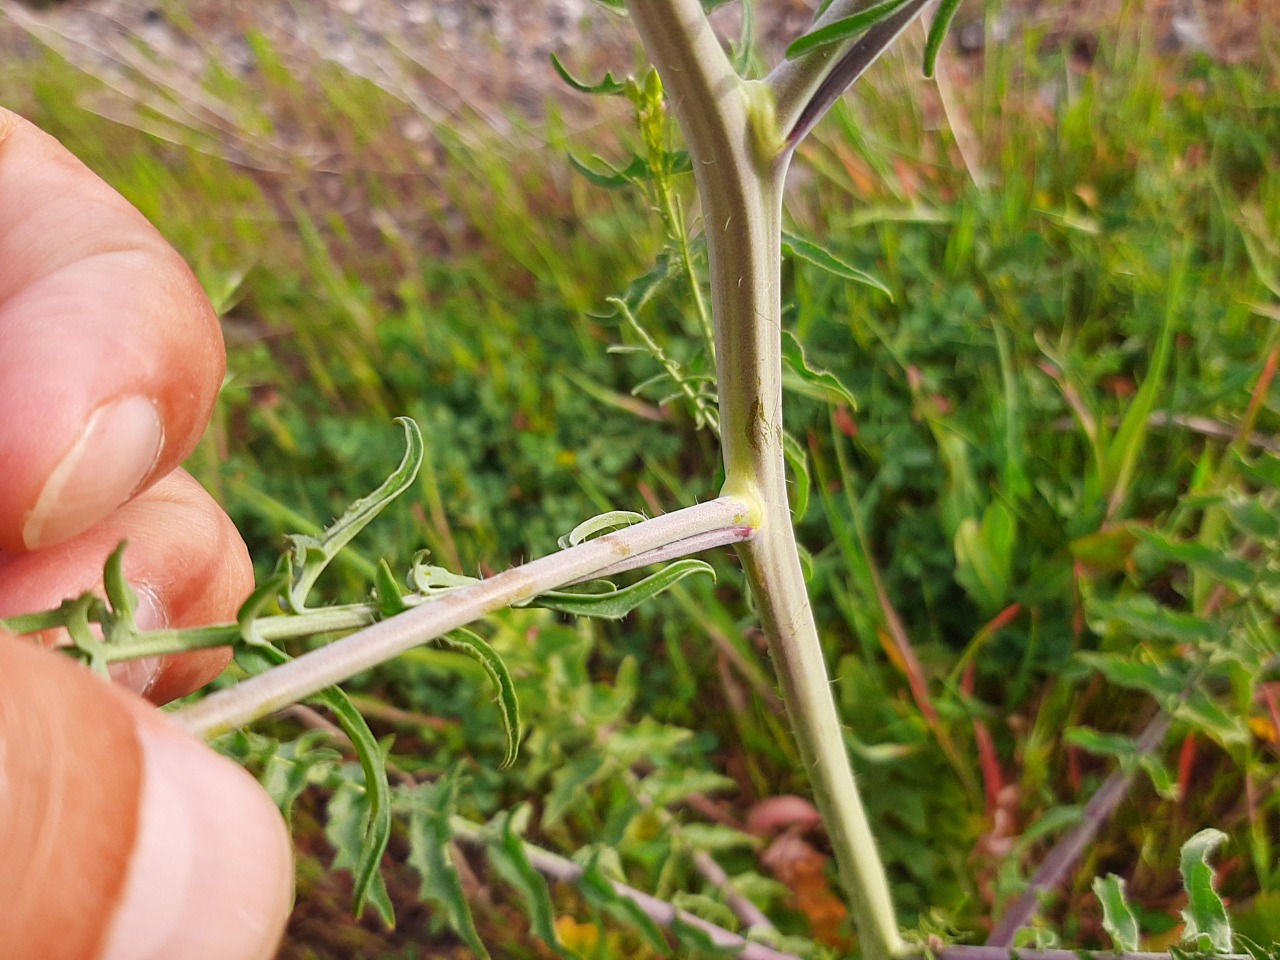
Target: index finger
column 110, row 354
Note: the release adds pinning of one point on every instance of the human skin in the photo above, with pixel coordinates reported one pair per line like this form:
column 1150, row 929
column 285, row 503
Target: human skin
column 121, row 837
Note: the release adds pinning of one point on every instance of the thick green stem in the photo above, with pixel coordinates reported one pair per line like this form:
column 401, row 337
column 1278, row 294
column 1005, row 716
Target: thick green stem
column 740, row 164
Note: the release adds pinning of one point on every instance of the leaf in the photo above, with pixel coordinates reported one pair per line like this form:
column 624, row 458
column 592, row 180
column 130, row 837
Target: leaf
column 311, row 555
column 431, row 856
column 368, row 874
column 608, row 87
column 474, row 646
column 1205, row 915
column 1104, row 744
column 348, row 820
column 390, row 597
column 824, row 259
column 598, row 890
column 366, row 863
column 427, row 578
column 1216, row 562
column 121, row 596
column 511, row 861
column 1117, row 916
column 984, row 556
column 636, row 171
column 814, row 381
column 1159, row 680
column 617, row 603
column 798, row 459
column 1144, row 618
column 603, row 523
column 1121, row 457
column 937, row 33
column 844, row 27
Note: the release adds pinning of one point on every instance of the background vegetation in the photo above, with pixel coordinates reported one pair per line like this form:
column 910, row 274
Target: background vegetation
column 1052, row 508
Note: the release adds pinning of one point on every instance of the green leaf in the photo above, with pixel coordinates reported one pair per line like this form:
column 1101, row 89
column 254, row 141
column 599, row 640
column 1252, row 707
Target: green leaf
column 511, row 861
column 617, row 603
column 430, row 855
column 1104, row 744
column 368, row 884
column 121, row 596
column 1199, row 710
column 427, row 578
column 984, row 556
column 1118, row 918
column 474, row 646
column 601, row 524
column 608, row 87
column 267, row 593
column 311, row 555
column 1205, row 915
column 1216, row 562
column 349, row 818
column 1121, row 457
column 938, row 33
column 1159, row 680
column 824, row 259
column 366, row 863
column 636, row 171
column 598, row 890
column 390, row 597
column 1143, row 618
column 813, row 381
column 798, row 460
column 844, row 28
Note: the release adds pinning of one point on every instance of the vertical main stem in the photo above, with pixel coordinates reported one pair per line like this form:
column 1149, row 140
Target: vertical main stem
column 731, row 131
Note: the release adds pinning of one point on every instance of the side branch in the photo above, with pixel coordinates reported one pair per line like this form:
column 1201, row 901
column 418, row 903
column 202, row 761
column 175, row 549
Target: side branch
column 806, row 87
column 331, row 664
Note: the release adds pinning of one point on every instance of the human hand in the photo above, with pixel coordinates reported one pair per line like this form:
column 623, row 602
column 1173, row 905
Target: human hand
column 121, row 837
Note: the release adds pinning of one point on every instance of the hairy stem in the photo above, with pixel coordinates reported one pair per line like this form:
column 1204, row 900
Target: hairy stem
column 361, row 651
column 740, row 163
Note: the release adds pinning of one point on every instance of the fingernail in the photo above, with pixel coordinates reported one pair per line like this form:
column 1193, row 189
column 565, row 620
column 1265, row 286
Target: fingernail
column 140, row 675
column 211, row 876
column 110, row 459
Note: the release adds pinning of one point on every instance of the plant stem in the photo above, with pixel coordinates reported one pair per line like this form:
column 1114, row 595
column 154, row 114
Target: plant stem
column 361, row 651
column 740, row 162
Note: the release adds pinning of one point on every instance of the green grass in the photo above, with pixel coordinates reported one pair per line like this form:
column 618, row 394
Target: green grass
column 1137, row 209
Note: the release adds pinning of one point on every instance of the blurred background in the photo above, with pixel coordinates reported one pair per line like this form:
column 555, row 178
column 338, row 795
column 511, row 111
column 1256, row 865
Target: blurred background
column 1061, row 458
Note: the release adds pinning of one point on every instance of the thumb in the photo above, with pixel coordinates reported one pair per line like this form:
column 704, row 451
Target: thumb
column 124, row 838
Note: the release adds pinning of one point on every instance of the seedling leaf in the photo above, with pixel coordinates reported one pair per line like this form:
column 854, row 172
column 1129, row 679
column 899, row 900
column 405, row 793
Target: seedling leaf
column 1205, row 915
column 1117, row 916
column 824, row 259
column 474, row 646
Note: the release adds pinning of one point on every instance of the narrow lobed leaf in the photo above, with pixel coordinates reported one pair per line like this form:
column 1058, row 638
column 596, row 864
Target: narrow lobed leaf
column 617, row 603
column 475, row 646
column 1118, row 918
column 431, row 855
column 844, row 28
column 938, row 33
column 821, row 257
